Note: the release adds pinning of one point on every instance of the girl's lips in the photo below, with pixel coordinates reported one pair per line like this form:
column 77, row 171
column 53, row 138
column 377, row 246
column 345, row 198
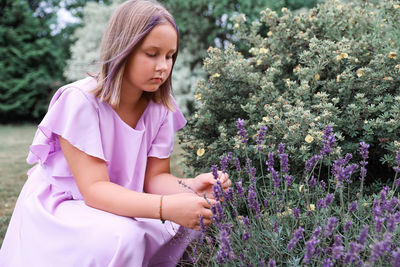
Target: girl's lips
column 157, row 80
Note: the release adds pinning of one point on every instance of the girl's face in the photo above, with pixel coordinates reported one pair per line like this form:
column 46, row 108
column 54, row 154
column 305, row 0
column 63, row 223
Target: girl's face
column 150, row 63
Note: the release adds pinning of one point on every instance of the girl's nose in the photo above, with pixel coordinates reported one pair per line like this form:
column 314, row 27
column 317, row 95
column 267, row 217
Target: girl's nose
column 162, row 64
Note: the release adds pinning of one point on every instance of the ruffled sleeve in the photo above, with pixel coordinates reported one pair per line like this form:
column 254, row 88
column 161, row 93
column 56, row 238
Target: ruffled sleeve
column 163, row 144
column 74, row 117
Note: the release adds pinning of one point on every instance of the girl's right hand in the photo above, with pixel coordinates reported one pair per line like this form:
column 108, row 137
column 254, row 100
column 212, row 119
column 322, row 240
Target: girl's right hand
column 186, row 208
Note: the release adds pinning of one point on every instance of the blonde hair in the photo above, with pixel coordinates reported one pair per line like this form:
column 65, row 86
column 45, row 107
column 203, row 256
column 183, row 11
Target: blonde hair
column 128, row 26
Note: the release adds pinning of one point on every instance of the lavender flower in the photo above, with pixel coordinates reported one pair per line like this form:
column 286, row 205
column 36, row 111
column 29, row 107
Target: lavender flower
column 352, row 255
column 310, row 249
column 330, row 226
column 260, row 136
column 246, row 234
column 328, row 140
column 225, row 161
column 271, row 263
column 297, row 235
column 347, row 226
column 396, row 258
column 217, row 190
column 241, row 130
column 284, row 158
column 275, row 178
column 296, row 213
column 341, row 172
column 239, row 187
column 275, row 226
column 237, row 164
column 363, row 235
column 379, row 248
column 214, row 170
column 397, row 168
column 252, row 199
column 225, row 252
column 337, row 248
column 312, row 162
column 270, row 162
column 353, row 206
column 327, row 263
column 288, row 179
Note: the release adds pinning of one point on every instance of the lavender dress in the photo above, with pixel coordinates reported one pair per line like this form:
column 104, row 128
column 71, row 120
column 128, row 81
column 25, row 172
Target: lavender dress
column 52, row 226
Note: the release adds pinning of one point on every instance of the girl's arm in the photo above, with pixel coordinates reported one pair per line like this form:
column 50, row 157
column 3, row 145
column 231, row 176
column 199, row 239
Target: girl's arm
column 91, row 176
column 158, row 180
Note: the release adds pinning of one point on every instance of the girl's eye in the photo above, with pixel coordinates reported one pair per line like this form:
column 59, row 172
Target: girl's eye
column 150, row 54
column 168, row 57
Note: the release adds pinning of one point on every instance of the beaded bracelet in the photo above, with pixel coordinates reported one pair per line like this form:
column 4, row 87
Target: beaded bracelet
column 160, row 211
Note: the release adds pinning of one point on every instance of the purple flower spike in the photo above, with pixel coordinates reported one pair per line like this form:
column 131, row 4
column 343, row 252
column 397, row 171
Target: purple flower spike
column 271, row 263
column 330, row 226
column 347, row 226
column 214, row 170
column 252, row 199
column 328, row 140
column 241, row 130
column 297, row 235
column 363, row 235
column 260, row 137
column 225, row 252
column 296, row 213
column 396, row 258
column 225, row 161
column 237, row 164
column 353, row 206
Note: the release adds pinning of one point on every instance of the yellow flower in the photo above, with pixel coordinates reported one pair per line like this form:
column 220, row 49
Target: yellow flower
column 396, row 6
column 284, row 9
column 301, row 188
column 236, row 25
column 317, row 77
column 197, row 96
column 196, row 115
column 200, row 152
column 338, row 78
column 216, row 75
column 393, row 55
column 269, row 33
column 341, row 56
column 263, row 50
column 309, row 139
column 360, row 73
column 312, row 207
column 259, row 61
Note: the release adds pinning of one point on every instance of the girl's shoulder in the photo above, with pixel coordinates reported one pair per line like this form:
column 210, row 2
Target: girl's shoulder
column 78, row 89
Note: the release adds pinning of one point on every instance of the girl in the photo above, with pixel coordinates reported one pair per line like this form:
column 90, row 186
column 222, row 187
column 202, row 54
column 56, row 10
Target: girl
column 101, row 190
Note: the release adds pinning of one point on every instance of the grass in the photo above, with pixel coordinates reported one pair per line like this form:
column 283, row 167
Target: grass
column 14, row 147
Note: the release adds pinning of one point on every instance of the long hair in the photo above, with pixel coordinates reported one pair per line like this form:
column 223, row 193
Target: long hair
column 127, row 27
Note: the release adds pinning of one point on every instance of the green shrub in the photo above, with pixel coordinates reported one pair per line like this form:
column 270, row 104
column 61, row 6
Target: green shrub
column 336, row 64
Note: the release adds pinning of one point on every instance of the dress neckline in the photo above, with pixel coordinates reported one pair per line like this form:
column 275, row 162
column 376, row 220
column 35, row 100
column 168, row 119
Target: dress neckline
column 139, row 125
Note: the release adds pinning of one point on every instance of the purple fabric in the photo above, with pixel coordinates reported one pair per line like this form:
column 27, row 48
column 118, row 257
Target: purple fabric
column 52, row 226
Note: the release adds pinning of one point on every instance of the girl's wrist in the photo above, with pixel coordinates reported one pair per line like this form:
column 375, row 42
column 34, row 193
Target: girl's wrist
column 188, row 185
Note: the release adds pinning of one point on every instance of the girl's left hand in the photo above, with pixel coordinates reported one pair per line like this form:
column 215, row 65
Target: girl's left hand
column 204, row 182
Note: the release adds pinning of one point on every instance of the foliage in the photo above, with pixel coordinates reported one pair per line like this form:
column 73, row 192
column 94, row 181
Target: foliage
column 85, row 52
column 30, row 65
column 33, row 53
column 197, row 33
column 335, row 64
column 301, row 220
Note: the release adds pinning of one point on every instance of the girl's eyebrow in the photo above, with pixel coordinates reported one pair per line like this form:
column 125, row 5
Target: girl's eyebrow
column 173, row 50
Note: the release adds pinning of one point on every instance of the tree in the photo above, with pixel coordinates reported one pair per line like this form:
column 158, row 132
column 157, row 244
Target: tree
column 30, row 66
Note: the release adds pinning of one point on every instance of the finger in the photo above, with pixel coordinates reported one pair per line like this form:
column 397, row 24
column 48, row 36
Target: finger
column 210, row 202
column 207, row 214
column 207, row 222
